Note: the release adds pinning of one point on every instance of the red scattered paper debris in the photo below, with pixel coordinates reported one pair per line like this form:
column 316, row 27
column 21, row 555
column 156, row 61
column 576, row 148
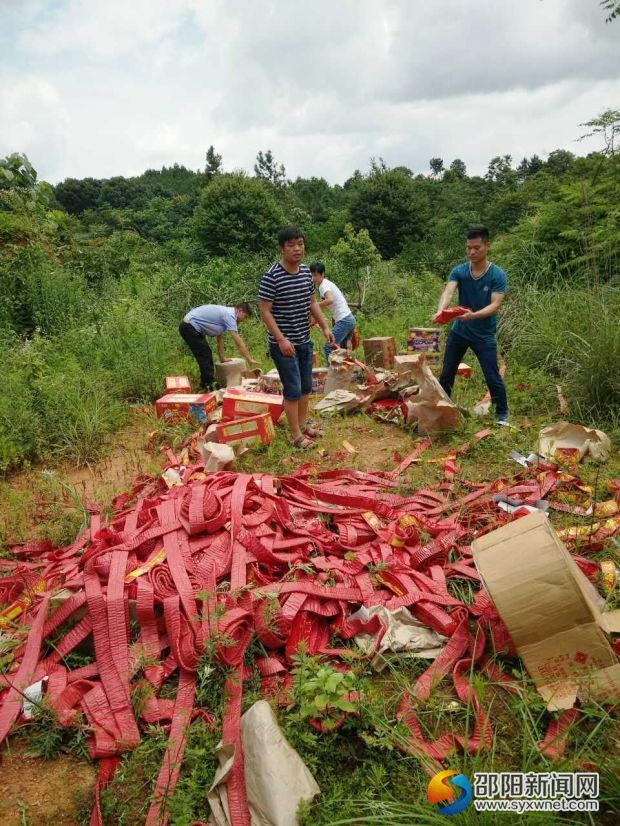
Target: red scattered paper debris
column 226, row 557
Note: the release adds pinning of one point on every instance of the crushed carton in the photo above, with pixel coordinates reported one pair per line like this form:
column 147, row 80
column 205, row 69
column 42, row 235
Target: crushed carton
column 380, row 351
column 464, row 370
column 239, row 404
column 551, row 611
column 178, row 384
column 230, row 373
column 254, row 430
column 573, row 441
column 183, row 405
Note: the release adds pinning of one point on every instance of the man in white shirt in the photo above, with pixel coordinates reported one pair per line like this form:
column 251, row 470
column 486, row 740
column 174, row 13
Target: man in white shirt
column 332, row 297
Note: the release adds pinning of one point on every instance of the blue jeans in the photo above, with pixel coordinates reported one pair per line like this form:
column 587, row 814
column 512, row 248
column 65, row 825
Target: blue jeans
column 486, row 353
column 295, row 371
column 342, row 331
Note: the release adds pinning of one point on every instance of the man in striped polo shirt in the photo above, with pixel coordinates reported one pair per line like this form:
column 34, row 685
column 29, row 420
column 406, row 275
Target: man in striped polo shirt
column 286, row 296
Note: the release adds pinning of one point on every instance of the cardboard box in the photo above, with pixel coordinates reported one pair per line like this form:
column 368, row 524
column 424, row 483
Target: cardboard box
column 551, row 611
column 178, row 384
column 255, row 430
column 182, row 405
column 319, row 374
column 239, row 404
column 270, row 383
column 423, row 340
column 380, row 351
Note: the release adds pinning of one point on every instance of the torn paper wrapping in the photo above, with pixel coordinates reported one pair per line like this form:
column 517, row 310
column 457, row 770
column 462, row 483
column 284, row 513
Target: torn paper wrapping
column 230, row 373
column 216, row 456
column 340, row 372
column 276, row 778
column 404, row 635
column 338, row 401
column 432, row 407
column 563, row 436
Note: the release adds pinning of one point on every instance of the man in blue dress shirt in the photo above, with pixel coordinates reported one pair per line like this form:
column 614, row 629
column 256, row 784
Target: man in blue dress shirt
column 214, row 320
column 481, row 287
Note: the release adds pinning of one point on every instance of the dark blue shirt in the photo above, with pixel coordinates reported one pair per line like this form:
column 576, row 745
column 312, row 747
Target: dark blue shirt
column 475, row 293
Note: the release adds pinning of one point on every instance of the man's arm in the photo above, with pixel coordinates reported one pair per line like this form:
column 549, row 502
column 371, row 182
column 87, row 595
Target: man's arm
column 327, row 300
column 220, row 347
column 286, row 348
column 485, row 312
column 240, row 344
column 315, row 310
column 446, row 298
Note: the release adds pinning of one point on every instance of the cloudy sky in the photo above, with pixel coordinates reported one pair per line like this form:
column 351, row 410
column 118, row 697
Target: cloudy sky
column 113, row 87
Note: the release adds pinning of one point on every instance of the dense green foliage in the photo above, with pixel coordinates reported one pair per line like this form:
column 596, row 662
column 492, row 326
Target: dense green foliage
column 95, row 274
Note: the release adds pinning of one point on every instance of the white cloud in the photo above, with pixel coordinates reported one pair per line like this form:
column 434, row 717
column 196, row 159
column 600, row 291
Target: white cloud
column 116, row 87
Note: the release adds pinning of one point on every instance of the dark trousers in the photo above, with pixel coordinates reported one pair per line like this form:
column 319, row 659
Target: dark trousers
column 199, row 346
column 486, row 353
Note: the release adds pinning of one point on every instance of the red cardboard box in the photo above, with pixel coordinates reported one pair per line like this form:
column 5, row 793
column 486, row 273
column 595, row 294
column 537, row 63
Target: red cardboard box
column 181, row 405
column 241, row 404
column 255, row 430
column 178, row 384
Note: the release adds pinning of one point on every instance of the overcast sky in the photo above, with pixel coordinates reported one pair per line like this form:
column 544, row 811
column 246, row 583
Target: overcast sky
column 113, row 87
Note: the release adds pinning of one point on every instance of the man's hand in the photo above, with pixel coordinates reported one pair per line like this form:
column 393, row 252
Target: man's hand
column 436, row 316
column 329, row 336
column 468, row 316
column 252, row 363
column 224, row 360
column 286, row 348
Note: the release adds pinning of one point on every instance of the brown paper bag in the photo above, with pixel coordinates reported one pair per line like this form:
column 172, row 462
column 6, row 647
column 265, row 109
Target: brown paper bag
column 432, row 407
column 230, row 373
column 276, row 778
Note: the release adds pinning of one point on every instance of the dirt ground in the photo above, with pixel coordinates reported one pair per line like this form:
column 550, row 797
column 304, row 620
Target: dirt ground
column 43, row 792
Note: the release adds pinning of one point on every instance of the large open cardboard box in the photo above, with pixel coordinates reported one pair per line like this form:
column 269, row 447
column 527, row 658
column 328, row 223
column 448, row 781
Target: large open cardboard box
column 551, row 611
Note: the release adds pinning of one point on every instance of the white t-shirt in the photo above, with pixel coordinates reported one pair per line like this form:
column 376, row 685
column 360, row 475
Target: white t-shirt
column 340, row 308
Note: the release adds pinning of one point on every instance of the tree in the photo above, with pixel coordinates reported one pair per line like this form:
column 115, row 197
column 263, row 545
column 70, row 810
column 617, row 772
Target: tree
column 500, row 171
column 267, row 169
column 437, row 167
column 559, row 162
column 236, row 213
column 357, row 255
column 607, row 125
column 613, row 9
column 458, row 169
column 75, row 195
column 16, row 172
column 393, row 207
column 213, row 163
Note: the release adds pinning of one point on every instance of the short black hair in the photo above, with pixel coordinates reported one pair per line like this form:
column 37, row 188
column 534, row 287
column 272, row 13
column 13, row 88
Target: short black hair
column 317, row 267
column 478, row 232
column 290, row 234
column 245, row 308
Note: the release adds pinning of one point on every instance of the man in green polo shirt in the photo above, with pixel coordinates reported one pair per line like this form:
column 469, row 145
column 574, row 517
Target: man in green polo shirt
column 481, row 287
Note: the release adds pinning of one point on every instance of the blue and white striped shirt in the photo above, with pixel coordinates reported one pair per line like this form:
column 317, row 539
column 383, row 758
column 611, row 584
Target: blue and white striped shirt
column 290, row 297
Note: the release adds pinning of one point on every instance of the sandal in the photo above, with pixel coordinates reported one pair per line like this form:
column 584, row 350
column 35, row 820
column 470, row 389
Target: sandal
column 302, row 443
